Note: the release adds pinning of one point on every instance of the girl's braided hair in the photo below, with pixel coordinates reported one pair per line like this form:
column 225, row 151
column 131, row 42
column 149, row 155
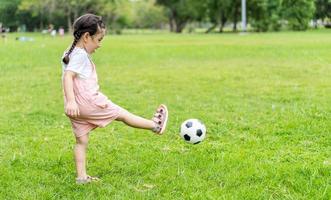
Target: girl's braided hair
column 86, row 23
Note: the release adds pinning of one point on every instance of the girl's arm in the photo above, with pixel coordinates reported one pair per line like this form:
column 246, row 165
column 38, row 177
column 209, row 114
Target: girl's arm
column 71, row 108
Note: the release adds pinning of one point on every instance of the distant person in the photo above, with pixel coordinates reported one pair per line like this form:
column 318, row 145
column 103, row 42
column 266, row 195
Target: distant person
column 24, row 39
column 44, row 32
column 61, row 31
column 50, row 28
column 3, row 32
column 53, row 33
column 86, row 107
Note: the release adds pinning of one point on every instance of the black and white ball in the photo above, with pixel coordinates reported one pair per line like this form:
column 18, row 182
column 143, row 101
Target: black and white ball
column 193, row 131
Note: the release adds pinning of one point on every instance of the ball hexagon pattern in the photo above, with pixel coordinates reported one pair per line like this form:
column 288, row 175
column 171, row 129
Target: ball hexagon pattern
column 193, row 131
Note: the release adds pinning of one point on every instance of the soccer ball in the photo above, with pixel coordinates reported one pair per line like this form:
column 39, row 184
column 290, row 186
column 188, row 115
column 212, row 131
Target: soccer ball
column 193, row 131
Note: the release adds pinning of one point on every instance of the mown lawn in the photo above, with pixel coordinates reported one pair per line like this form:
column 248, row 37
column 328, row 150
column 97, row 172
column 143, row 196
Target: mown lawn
column 265, row 99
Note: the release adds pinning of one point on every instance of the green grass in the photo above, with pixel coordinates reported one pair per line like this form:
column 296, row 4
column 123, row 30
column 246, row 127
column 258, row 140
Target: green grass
column 265, row 99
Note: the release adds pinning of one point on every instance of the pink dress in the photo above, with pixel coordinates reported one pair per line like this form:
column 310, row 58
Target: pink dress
column 96, row 110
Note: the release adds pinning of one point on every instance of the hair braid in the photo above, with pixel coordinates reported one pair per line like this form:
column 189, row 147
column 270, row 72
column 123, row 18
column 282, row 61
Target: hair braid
column 77, row 36
column 87, row 23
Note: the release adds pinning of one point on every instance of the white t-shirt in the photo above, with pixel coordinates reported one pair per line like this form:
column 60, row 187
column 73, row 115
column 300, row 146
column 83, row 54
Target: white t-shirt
column 79, row 63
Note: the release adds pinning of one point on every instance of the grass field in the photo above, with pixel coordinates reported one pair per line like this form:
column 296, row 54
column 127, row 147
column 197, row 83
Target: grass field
column 265, row 99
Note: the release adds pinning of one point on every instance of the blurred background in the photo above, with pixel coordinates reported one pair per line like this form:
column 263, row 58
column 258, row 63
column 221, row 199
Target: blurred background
column 205, row 16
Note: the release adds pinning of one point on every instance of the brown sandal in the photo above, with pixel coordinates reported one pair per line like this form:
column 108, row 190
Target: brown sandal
column 87, row 179
column 160, row 119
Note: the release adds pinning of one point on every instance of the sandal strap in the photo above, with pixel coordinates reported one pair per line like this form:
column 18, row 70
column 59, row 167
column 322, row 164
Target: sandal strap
column 93, row 178
column 156, row 129
column 158, row 115
column 160, row 118
column 160, row 110
column 157, row 120
column 82, row 180
column 87, row 179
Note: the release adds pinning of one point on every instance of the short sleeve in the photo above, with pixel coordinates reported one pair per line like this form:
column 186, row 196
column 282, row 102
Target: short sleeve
column 77, row 63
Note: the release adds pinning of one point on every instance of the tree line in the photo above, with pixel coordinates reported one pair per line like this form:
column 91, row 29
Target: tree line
column 262, row 15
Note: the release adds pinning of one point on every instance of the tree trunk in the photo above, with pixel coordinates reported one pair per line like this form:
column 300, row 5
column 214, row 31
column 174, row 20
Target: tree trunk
column 221, row 28
column 223, row 21
column 235, row 17
column 211, row 28
column 76, row 13
column 69, row 22
column 171, row 24
column 41, row 24
column 180, row 25
column 172, row 21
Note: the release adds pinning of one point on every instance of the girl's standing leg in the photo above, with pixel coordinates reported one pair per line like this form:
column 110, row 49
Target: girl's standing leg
column 80, row 155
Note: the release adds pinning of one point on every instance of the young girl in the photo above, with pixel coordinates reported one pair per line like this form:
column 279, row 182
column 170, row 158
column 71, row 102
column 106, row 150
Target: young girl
column 86, row 107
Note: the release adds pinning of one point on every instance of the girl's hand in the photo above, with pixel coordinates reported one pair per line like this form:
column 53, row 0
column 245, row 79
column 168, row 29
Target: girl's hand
column 72, row 109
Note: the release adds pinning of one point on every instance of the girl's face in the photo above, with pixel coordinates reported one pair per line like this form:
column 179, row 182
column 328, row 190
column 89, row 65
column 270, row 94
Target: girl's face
column 91, row 43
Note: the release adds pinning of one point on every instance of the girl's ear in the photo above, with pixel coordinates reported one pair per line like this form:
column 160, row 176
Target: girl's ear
column 85, row 36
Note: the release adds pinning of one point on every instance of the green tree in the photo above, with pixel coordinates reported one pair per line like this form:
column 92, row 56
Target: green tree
column 72, row 9
column 264, row 15
column 117, row 14
column 323, row 10
column 218, row 12
column 235, row 13
column 8, row 13
column 180, row 12
column 148, row 15
column 40, row 9
column 298, row 13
